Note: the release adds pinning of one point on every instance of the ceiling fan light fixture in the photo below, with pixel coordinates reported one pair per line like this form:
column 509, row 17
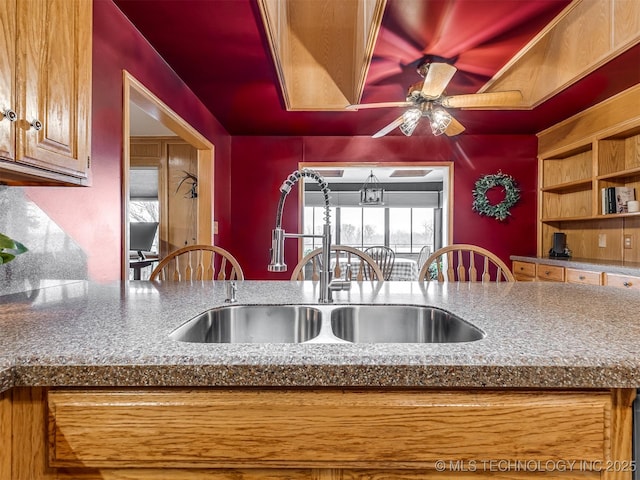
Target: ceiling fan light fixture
column 411, row 118
column 439, row 120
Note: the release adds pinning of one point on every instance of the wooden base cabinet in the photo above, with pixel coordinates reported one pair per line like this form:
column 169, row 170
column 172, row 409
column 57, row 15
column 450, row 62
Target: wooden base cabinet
column 314, row 434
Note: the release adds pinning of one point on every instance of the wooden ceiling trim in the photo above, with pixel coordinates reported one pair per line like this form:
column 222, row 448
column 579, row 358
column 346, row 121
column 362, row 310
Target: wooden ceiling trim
column 583, row 37
column 321, row 49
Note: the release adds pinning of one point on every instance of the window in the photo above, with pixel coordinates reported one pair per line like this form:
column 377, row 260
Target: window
column 410, row 229
column 405, row 230
column 143, row 197
column 313, row 225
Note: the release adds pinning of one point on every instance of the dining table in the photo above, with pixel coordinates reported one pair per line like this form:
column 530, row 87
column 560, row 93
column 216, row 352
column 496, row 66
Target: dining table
column 404, row 269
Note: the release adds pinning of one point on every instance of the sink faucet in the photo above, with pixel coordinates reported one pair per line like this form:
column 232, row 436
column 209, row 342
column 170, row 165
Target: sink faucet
column 231, row 288
column 278, row 235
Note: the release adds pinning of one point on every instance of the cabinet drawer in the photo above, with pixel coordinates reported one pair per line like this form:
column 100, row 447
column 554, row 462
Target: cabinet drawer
column 336, row 428
column 550, row 273
column 524, row 270
column 583, row 276
column 622, row 281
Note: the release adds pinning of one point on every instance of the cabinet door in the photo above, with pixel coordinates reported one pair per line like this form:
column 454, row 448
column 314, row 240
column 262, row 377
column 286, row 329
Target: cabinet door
column 54, row 68
column 7, row 72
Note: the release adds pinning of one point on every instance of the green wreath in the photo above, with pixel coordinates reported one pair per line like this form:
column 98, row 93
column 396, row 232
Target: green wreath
column 481, row 202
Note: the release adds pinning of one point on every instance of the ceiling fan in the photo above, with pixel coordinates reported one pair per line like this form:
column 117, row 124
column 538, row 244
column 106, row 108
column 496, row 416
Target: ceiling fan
column 427, row 99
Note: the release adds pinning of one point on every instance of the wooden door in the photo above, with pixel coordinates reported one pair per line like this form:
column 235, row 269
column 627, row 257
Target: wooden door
column 54, row 63
column 7, row 72
column 182, row 202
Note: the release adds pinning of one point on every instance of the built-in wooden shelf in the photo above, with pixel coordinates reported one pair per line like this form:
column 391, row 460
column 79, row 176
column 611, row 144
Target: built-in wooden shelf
column 578, row 158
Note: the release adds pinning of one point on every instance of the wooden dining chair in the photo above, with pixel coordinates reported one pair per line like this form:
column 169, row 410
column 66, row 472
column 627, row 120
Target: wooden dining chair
column 198, row 262
column 423, row 255
column 384, row 258
column 342, row 255
column 461, row 263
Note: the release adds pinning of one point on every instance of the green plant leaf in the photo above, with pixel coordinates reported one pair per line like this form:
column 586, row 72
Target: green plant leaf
column 6, row 257
column 20, row 248
column 6, row 242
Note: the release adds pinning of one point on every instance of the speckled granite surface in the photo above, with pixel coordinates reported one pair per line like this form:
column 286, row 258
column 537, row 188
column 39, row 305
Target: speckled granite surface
column 537, row 335
column 628, row 268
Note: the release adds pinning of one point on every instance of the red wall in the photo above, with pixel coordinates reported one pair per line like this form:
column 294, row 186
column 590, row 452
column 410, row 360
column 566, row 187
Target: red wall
column 92, row 215
column 260, row 165
column 247, row 179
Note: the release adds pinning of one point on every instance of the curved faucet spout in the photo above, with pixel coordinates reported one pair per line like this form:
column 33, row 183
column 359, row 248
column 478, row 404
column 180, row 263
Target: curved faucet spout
column 277, row 263
column 291, row 180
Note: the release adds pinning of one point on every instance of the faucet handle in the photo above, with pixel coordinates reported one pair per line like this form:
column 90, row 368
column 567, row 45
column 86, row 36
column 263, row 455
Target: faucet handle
column 347, row 272
column 231, row 288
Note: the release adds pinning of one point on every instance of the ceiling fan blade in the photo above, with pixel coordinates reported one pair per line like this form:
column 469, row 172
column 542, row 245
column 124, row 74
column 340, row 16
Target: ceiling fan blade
column 396, row 123
column 362, row 106
column 438, row 77
column 454, row 128
column 510, row 98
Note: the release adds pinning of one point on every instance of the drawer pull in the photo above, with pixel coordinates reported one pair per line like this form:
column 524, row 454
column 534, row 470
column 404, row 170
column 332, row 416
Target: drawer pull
column 547, row 273
column 627, row 284
column 582, row 277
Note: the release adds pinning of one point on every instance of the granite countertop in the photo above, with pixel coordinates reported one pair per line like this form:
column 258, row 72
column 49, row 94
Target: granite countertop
column 538, row 334
column 610, row 266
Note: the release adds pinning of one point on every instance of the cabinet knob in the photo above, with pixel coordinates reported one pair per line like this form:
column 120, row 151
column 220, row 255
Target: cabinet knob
column 10, row 115
column 36, row 125
column 627, row 284
column 581, row 277
column 547, row 273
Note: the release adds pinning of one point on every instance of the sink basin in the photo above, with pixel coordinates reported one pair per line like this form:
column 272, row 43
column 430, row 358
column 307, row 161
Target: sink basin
column 252, row 324
column 400, row 324
column 326, row 324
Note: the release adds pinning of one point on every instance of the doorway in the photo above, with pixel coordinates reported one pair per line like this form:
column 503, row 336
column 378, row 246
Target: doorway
column 180, row 140
column 413, row 218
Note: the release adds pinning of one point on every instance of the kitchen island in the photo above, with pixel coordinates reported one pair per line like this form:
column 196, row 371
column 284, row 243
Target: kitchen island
column 552, row 380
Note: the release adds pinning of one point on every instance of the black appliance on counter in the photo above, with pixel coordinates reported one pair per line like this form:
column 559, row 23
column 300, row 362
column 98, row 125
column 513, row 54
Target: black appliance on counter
column 559, row 249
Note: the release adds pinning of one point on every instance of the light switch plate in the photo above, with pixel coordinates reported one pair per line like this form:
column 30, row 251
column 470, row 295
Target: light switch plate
column 602, row 240
column 628, row 241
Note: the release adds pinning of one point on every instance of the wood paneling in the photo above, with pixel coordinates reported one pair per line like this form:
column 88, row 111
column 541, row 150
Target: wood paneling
column 626, row 23
column 29, row 458
column 5, row 435
column 182, row 207
column 608, row 116
column 321, row 49
column 323, row 427
column 583, row 37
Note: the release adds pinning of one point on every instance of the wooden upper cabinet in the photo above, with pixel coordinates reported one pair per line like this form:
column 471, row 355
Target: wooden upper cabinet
column 7, row 72
column 45, row 79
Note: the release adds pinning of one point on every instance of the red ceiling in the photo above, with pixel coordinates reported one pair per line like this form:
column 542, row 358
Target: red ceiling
column 219, row 48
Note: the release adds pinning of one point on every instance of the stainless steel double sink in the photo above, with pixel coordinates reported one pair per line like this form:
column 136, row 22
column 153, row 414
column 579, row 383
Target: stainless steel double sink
column 326, row 324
